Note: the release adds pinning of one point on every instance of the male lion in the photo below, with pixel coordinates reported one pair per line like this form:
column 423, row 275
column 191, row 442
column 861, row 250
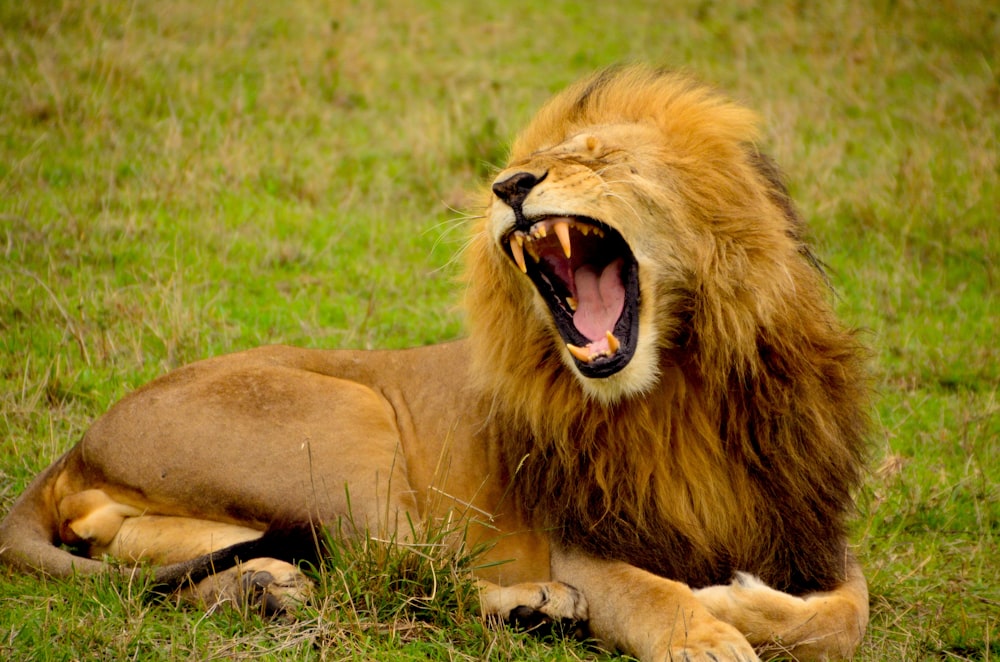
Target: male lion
column 656, row 411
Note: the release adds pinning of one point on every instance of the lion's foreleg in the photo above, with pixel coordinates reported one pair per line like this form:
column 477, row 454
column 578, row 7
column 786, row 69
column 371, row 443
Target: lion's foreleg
column 819, row 626
column 653, row 618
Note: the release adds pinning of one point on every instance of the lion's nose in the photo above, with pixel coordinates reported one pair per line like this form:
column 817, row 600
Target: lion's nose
column 516, row 188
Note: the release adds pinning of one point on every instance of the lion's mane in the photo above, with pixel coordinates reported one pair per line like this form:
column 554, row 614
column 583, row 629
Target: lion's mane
column 744, row 452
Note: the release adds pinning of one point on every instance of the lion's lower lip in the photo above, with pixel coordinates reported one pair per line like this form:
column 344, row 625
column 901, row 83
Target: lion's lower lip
column 588, row 277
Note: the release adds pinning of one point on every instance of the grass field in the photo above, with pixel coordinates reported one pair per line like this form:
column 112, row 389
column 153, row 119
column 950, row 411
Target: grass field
column 181, row 179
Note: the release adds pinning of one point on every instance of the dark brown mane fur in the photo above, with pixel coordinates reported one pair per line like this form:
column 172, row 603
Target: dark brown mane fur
column 744, row 454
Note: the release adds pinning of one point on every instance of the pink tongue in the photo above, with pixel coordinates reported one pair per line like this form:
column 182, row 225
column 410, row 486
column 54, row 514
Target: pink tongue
column 600, row 300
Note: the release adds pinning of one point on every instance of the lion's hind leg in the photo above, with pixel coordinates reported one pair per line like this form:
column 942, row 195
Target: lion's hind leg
column 819, row 626
column 93, row 520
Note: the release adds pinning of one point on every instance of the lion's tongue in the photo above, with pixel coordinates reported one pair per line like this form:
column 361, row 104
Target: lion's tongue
column 600, row 301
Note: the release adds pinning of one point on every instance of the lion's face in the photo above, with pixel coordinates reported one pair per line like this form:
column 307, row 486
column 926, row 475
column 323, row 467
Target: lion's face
column 575, row 219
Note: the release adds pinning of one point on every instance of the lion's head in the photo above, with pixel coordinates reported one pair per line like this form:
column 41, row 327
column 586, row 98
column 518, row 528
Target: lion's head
column 628, row 195
column 644, row 313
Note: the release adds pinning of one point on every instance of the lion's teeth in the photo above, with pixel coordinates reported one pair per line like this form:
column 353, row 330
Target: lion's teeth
column 613, row 343
column 529, row 246
column 579, row 353
column 517, row 250
column 562, row 231
column 572, row 303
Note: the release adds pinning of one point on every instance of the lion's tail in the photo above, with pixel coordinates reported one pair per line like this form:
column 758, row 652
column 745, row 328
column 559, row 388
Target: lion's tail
column 29, row 534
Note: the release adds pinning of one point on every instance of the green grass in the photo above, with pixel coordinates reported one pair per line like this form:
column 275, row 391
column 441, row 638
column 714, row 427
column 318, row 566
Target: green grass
column 180, row 179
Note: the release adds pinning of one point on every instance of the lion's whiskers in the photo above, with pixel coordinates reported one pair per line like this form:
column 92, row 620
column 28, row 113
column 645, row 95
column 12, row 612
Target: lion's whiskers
column 628, row 205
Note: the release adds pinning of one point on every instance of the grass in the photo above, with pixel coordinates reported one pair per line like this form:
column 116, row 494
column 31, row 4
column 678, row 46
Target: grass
column 181, row 179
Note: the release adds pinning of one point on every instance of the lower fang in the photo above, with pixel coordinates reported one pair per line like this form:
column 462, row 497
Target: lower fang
column 613, row 343
column 579, row 353
column 572, row 303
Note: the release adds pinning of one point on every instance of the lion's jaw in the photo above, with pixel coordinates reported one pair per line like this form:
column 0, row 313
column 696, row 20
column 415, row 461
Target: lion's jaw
column 564, row 219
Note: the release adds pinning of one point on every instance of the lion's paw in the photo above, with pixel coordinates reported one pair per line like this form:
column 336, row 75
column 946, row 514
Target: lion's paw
column 538, row 607
column 558, row 600
column 273, row 596
column 268, row 586
column 710, row 642
column 558, row 607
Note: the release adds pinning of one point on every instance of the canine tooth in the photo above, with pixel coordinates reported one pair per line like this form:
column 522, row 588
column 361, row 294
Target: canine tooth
column 562, row 231
column 517, row 250
column 613, row 343
column 579, row 353
column 572, row 303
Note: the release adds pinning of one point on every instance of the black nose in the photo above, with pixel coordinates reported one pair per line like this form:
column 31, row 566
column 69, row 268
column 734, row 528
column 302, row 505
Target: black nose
column 516, row 188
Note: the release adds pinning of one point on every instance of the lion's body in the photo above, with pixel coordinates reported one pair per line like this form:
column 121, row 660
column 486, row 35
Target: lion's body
column 671, row 406
column 281, row 434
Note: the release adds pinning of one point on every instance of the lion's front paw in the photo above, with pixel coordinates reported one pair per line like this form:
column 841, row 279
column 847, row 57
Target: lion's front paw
column 537, row 606
column 556, row 607
column 712, row 641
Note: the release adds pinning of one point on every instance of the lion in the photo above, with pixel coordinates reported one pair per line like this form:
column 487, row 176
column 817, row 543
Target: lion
column 656, row 422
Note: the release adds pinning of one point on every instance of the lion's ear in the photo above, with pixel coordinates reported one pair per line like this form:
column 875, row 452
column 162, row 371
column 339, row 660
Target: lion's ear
column 583, row 144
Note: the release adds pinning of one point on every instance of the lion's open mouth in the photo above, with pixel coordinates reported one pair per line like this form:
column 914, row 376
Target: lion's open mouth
column 589, row 278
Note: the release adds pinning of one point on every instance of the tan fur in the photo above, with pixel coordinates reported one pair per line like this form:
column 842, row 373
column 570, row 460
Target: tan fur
column 728, row 443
